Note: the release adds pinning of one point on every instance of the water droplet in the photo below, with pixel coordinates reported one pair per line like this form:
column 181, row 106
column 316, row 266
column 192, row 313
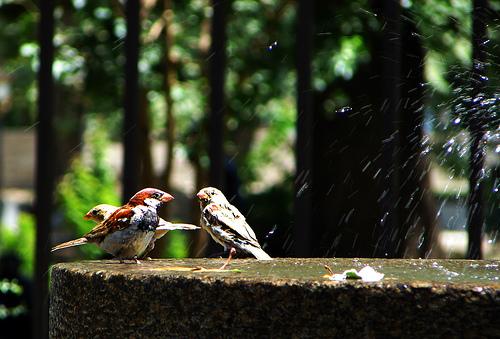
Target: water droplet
column 384, row 218
column 426, row 150
column 477, row 99
column 478, row 65
column 457, row 121
column 421, row 239
column 271, row 232
column 349, row 216
column 344, row 111
column 302, row 189
column 272, row 46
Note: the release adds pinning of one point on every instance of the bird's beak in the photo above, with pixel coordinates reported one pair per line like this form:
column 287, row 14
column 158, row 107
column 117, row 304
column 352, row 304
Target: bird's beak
column 87, row 216
column 202, row 196
column 166, row 198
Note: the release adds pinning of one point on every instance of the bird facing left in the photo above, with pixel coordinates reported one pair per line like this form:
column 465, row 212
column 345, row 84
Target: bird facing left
column 127, row 232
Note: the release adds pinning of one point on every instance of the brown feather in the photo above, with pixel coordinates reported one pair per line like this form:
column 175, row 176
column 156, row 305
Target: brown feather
column 138, row 198
column 117, row 221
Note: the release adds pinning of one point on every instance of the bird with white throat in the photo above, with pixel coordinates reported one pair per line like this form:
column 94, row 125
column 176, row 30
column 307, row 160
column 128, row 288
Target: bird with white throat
column 128, row 231
column 103, row 211
column 227, row 226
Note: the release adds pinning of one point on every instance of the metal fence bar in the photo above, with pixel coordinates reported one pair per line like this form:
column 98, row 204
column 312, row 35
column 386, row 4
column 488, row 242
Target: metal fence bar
column 305, row 124
column 217, row 106
column 44, row 168
column 1, row 162
column 131, row 159
column 216, row 79
column 391, row 94
column 477, row 130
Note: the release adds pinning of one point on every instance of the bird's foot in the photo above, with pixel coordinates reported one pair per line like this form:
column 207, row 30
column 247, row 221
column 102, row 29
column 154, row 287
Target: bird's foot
column 137, row 261
column 232, row 252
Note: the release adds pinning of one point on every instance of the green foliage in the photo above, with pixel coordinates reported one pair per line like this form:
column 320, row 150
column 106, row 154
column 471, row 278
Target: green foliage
column 260, row 78
column 177, row 245
column 25, row 235
column 11, row 287
column 85, row 186
column 342, row 61
column 280, row 121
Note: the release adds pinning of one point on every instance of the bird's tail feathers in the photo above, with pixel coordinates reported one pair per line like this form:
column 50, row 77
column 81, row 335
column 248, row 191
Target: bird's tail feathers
column 258, row 253
column 169, row 226
column 76, row 242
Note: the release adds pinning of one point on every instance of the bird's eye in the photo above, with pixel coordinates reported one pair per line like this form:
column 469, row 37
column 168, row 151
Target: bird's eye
column 156, row 195
column 94, row 212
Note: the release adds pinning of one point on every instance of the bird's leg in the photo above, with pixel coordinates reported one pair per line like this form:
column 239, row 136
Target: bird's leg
column 150, row 247
column 232, row 252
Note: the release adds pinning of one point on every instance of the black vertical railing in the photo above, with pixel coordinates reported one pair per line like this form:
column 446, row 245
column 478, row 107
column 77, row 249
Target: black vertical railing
column 216, row 78
column 391, row 68
column 44, row 169
column 1, row 162
column 131, row 159
column 305, row 125
column 413, row 161
column 217, row 61
column 477, row 129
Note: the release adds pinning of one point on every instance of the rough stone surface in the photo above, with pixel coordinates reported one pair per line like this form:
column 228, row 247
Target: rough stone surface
column 282, row 298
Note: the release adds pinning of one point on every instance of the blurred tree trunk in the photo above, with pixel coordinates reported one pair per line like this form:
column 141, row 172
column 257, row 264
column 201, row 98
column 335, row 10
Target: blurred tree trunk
column 131, row 152
column 168, row 82
column 45, row 173
column 354, row 154
column 200, row 239
column 304, row 228
column 477, row 128
column 147, row 172
column 216, row 99
column 346, row 158
column 389, row 233
column 353, row 163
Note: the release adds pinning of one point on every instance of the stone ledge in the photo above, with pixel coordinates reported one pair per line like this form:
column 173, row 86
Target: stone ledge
column 280, row 298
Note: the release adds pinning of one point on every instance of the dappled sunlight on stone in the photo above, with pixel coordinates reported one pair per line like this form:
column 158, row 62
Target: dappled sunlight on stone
column 280, row 298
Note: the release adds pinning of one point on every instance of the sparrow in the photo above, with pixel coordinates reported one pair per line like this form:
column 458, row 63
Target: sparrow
column 227, row 226
column 127, row 232
column 101, row 212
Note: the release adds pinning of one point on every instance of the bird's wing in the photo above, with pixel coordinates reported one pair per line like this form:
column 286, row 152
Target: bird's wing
column 228, row 217
column 117, row 221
